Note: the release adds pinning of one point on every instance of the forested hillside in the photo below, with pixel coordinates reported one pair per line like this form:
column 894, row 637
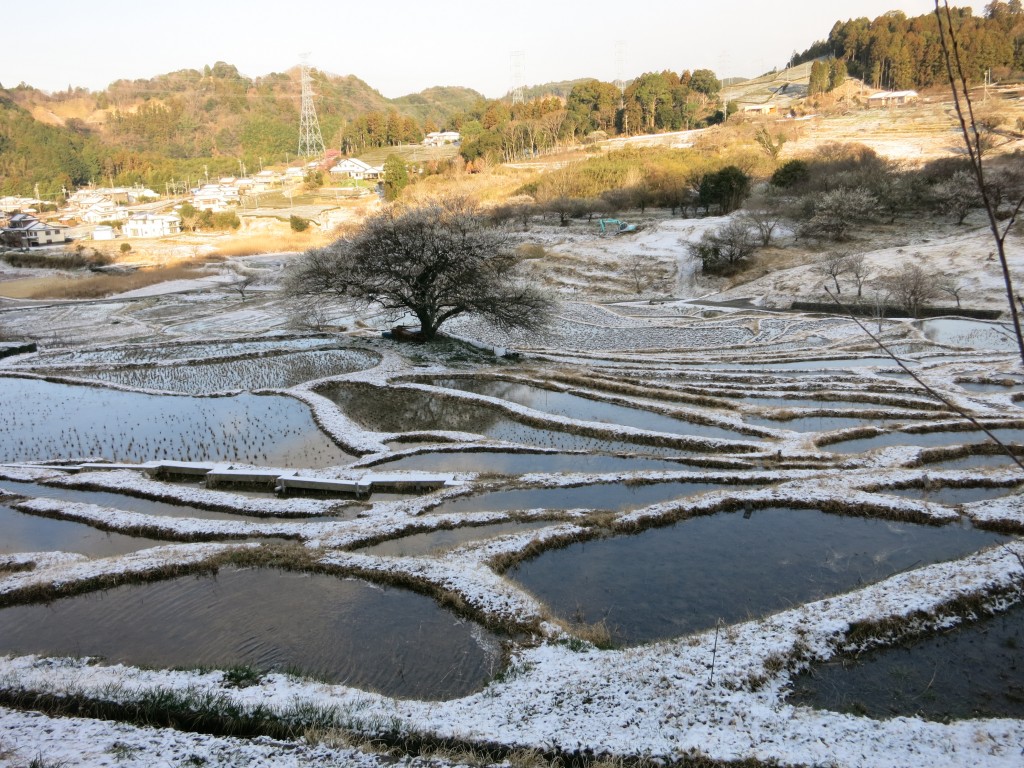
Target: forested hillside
column 179, row 124
column 897, row 52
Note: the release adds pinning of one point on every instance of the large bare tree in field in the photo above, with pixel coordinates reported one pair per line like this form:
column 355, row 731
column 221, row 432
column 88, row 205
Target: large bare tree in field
column 974, row 140
column 436, row 262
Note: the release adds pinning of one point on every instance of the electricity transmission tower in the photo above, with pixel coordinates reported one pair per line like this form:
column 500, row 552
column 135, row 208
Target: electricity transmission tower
column 518, row 87
column 311, row 142
column 620, row 71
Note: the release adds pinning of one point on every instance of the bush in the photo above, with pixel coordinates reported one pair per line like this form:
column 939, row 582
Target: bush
column 298, row 224
column 727, row 189
column 834, row 213
column 125, row 247
column 792, row 173
column 726, row 250
column 225, row 220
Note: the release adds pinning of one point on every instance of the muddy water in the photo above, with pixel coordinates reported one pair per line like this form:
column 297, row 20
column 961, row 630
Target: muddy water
column 41, row 420
column 345, row 631
column 668, row 582
column 974, row 671
column 602, row 496
column 20, row 532
column 585, row 409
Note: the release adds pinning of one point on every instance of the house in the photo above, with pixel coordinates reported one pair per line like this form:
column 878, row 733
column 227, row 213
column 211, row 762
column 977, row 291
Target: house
column 295, row 175
column 215, row 197
column 103, row 210
column 265, row 181
column 152, row 225
column 892, row 98
column 103, row 232
column 440, row 138
column 10, row 204
column 351, row 168
column 767, row 108
column 25, row 231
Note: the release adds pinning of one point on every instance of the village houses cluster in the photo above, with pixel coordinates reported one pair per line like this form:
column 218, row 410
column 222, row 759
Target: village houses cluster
column 105, row 213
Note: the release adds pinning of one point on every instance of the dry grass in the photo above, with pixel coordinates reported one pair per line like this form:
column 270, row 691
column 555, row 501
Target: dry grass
column 491, row 186
column 99, row 286
column 290, row 243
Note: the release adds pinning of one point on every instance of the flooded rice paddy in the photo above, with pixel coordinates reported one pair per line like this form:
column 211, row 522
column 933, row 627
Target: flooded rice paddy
column 977, row 334
column 924, row 439
column 951, row 495
column 583, row 408
column 42, row 421
column 142, row 354
column 505, row 463
column 435, row 542
column 155, row 507
column 409, row 410
column 340, row 630
column 600, row 496
column 273, row 372
column 730, row 566
column 22, row 532
column 975, row 670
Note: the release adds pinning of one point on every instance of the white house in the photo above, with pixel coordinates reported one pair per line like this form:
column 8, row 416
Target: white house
column 24, row 231
column 103, row 232
column 351, row 168
column 215, row 197
column 439, row 138
column 152, row 225
column 104, row 210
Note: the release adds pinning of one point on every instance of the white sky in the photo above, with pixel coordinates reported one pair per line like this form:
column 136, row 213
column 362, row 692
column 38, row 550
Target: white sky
column 402, row 47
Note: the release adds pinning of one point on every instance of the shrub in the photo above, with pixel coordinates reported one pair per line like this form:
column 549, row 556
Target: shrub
column 726, row 250
column 125, row 247
column 727, row 189
column 793, row 173
column 298, row 224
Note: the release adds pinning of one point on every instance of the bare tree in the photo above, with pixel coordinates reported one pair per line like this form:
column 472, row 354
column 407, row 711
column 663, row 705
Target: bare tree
column 643, row 272
column 975, row 147
column 244, row 281
column 951, row 285
column 857, row 267
column 436, row 262
column 912, row 288
column 834, row 265
column 957, row 195
column 765, row 221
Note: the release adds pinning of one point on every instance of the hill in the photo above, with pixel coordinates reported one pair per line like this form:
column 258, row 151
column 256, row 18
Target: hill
column 178, row 122
column 437, row 105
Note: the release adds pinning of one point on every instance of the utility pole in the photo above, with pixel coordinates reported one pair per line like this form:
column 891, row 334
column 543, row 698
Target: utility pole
column 311, row 142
